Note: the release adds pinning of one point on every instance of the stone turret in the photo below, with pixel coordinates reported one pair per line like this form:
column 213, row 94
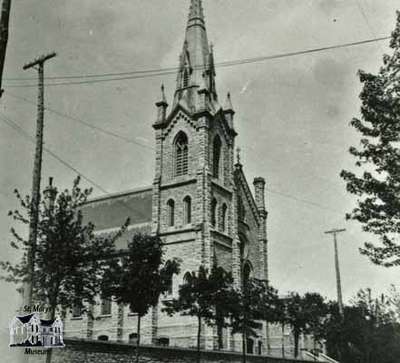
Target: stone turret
column 228, row 110
column 259, row 194
column 162, row 106
column 50, row 194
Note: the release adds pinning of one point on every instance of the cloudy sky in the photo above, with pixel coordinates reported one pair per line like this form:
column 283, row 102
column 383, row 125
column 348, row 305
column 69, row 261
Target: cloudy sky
column 292, row 114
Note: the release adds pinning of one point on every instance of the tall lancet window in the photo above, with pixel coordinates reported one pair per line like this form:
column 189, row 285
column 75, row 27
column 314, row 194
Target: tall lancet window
column 181, row 154
column 170, row 213
column 214, row 212
column 187, row 210
column 224, row 217
column 217, row 146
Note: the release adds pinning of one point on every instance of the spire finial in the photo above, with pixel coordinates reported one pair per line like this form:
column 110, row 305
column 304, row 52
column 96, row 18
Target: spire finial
column 228, row 103
column 163, row 98
column 196, row 10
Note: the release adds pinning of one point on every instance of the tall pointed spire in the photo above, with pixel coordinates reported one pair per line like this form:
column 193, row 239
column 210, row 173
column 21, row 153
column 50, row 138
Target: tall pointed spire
column 196, row 68
column 196, row 12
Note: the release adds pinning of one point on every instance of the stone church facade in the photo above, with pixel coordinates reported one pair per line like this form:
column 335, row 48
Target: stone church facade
column 200, row 203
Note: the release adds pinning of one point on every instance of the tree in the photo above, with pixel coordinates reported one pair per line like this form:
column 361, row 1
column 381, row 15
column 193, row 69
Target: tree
column 248, row 310
column 378, row 187
column 368, row 332
column 271, row 309
column 222, row 296
column 304, row 315
column 69, row 259
column 282, row 319
column 140, row 276
column 316, row 312
column 207, row 296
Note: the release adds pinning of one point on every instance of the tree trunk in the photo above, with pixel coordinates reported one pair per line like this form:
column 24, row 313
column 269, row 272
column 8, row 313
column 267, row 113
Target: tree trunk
column 283, row 340
column 50, row 350
column 296, row 343
column 198, row 338
column 267, row 338
column 220, row 338
column 138, row 338
column 244, row 344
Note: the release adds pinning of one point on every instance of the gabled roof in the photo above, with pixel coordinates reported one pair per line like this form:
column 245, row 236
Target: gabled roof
column 25, row 319
column 47, row 322
column 241, row 182
column 111, row 211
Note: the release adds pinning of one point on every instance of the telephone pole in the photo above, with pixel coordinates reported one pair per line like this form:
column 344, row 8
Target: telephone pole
column 338, row 281
column 37, row 170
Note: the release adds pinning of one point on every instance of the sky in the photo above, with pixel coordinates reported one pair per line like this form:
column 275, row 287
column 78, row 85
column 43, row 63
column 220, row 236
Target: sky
column 292, row 114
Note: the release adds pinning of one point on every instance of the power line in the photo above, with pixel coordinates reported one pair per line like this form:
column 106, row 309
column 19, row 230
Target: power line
column 136, row 74
column 20, row 130
column 87, row 124
column 305, row 201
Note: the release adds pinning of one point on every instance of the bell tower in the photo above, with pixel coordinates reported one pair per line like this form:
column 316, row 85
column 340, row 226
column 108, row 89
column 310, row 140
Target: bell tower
column 202, row 207
column 193, row 185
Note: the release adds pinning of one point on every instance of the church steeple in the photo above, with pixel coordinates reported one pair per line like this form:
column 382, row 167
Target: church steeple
column 196, row 69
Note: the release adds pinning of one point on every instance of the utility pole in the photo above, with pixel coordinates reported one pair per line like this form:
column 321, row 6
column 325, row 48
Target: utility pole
column 4, row 20
column 338, row 281
column 37, row 170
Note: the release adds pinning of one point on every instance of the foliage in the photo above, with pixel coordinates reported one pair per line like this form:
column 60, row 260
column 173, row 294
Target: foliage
column 378, row 187
column 69, row 259
column 140, row 276
column 366, row 333
column 207, row 296
column 304, row 314
column 255, row 302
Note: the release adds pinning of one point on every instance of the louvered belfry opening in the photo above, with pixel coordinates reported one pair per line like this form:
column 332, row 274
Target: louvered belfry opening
column 181, row 155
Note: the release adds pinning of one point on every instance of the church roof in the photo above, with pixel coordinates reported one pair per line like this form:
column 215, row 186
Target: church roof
column 25, row 319
column 111, row 211
column 47, row 322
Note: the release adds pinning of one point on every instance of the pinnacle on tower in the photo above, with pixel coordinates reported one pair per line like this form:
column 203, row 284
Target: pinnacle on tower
column 162, row 106
column 228, row 104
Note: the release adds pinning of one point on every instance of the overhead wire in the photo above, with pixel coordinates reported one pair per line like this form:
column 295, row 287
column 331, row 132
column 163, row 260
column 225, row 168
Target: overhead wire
column 83, row 122
column 24, row 133
column 136, row 74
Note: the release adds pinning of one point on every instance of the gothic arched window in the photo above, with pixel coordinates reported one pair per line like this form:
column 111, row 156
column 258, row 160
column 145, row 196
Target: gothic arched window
column 214, row 212
column 181, row 154
column 224, row 217
column 187, row 210
column 170, row 213
column 217, row 145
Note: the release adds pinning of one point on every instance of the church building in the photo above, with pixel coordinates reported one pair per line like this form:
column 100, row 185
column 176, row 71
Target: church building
column 200, row 203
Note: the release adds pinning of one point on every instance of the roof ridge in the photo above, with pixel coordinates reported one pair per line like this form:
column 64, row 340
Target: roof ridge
column 118, row 194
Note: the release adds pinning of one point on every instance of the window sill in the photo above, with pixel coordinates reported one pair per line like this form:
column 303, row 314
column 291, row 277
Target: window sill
column 101, row 316
column 76, row 318
column 132, row 314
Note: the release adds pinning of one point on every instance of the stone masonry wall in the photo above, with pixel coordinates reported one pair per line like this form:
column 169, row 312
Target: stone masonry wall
column 80, row 351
